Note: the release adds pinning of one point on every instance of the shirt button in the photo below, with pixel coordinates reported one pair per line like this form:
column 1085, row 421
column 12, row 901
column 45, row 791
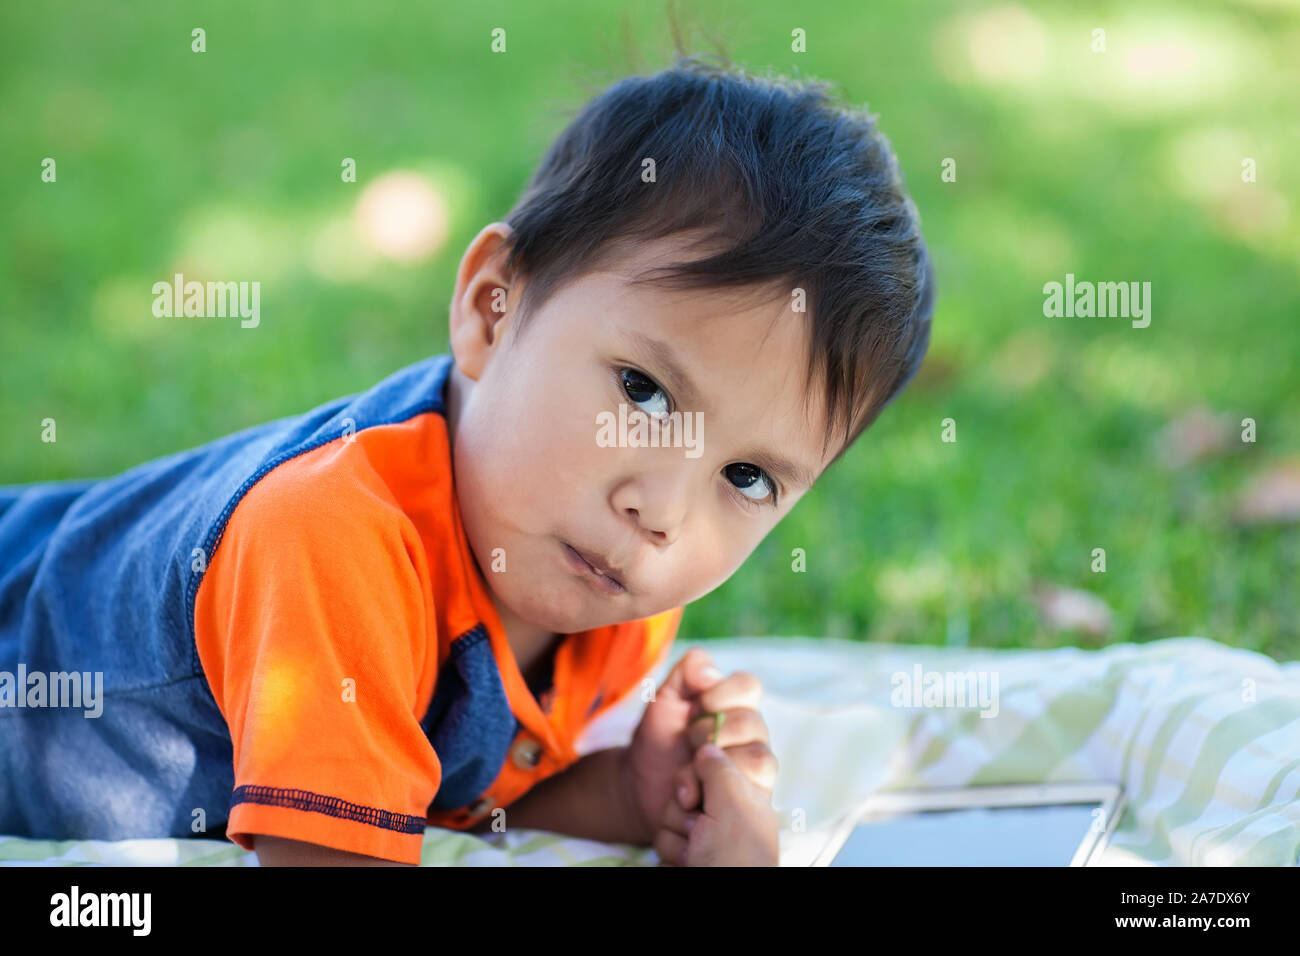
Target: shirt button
column 526, row 753
column 481, row 805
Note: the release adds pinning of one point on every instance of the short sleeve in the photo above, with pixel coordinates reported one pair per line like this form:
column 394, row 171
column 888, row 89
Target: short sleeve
column 314, row 625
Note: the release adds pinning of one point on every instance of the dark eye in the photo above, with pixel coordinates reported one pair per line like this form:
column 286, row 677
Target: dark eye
column 749, row 480
column 641, row 389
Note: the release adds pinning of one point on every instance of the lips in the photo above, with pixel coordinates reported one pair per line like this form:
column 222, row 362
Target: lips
column 598, row 564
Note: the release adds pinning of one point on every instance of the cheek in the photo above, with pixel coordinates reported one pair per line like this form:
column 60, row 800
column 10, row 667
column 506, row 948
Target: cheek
column 721, row 554
column 700, row 577
column 536, row 449
column 559, row 437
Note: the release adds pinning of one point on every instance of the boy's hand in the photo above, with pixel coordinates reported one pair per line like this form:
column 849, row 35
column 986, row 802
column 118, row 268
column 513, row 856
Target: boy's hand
column 737, row 826
column 678, row 721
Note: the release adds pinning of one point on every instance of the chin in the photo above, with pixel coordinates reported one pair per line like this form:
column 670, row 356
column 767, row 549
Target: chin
column 558, row 616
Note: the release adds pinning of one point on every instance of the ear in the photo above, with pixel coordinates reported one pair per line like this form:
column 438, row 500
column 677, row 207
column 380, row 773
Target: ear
column 479, row 314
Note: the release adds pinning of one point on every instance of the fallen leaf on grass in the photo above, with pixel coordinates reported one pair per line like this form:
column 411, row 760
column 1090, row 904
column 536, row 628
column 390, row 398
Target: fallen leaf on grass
column 1272, row 496
column 1196, row 436
column 1067, row 609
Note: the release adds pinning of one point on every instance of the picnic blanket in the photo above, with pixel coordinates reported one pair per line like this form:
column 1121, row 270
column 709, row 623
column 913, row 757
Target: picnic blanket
column 1204, row 738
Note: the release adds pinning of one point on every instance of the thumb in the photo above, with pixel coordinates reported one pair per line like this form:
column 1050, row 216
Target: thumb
column 693, row 673
column 719, row 776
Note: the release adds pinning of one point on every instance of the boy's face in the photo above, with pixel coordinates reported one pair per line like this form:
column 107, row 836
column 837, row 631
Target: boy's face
column 533, row 475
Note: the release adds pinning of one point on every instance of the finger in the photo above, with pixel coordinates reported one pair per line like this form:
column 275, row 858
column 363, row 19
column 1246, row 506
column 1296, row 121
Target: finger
column 693, row 673
column 739, row 689
column 736, row 727
column 757, row 762
column 671, row 847
column 686, row 787
column 721, row 781
column 677, row 820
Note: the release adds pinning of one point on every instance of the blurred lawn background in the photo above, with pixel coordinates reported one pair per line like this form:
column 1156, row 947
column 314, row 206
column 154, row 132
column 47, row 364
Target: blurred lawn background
column 1073, row 434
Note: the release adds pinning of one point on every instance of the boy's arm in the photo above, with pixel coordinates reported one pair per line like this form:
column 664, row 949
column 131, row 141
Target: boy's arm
column 590, row 800
column 279, row 851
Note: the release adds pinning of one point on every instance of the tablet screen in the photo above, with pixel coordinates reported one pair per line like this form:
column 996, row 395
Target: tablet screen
column 983, row 836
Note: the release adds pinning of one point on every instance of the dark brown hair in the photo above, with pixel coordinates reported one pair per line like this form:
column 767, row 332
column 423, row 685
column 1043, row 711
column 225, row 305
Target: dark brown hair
column 802, row 192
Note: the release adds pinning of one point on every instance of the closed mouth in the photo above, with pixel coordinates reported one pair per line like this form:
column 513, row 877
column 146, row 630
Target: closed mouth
column 596, row 565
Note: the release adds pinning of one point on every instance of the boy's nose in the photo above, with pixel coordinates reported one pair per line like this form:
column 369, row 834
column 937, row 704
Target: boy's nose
column 657, row 536
column 656, row 505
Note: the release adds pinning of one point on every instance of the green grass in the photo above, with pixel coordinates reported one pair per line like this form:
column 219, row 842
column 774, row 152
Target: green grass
column 1068, row 161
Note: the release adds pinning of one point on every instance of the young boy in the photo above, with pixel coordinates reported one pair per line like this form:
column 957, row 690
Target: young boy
column 400, row 609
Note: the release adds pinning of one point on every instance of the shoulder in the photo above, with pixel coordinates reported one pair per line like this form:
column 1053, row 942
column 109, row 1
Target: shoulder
column 345, row 493
column 323, row 537
column 320, row 568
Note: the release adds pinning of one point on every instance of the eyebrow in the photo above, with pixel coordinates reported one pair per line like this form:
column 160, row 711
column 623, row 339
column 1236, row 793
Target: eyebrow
column 659, row 354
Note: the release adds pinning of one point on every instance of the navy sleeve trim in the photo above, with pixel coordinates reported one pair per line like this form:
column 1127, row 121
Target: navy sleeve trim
column 330, row 806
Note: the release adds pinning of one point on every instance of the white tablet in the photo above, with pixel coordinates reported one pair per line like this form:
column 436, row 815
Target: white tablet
column 1053, row 824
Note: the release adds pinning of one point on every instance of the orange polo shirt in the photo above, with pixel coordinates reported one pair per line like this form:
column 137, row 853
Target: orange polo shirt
column 351, row 645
